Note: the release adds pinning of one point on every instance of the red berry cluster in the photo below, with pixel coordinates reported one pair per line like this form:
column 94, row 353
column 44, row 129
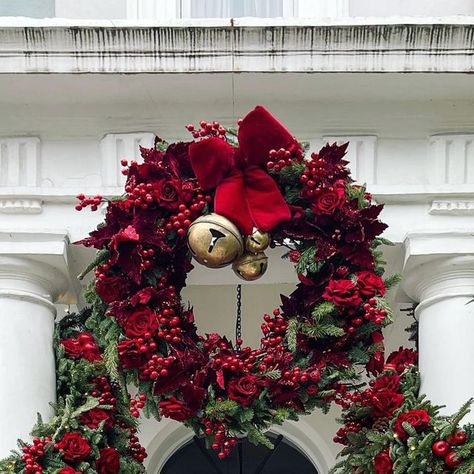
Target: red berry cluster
column 170, row 323
column 142, row 195
column 222, row 441
column 187, row 213
column 341, row 435
column 281, row 158
column 372, row 313
column 33, row 453
column 311, row 177
column 157, row 367
column 93, row 202
column 208, row 129
column 137, row 403
column 103, row 391
column 274, row 330
column 443, row 448
column 235, row 361
column 136, row 450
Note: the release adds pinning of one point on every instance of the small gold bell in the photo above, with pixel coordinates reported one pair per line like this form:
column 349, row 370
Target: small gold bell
column 251, row 266
column 214, row 241
column 257, row 241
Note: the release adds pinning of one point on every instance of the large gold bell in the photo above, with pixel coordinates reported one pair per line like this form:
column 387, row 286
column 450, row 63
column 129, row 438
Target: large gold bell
column 214, row 241
column 257, row 241
column 251, row 266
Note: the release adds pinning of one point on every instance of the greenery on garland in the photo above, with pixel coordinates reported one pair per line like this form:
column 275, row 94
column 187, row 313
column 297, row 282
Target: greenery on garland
column 137, row 333
column 389, row 428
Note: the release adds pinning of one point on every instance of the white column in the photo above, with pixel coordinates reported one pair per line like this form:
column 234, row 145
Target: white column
column 29, row 283
column 439, row 275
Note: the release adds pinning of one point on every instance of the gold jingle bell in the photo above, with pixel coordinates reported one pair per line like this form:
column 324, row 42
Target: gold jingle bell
column 257, row 241
column 214, row 241
column 251, row 266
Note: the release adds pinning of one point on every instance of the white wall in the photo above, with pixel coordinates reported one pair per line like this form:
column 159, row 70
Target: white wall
column 423, row 8
column 85, row 9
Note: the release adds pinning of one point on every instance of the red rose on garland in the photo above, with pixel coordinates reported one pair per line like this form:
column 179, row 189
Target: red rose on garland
column 129, row 354
column 141, row 321
column 74, row 447
column 109, row 461
column 385, row 402
column 370, row 284
column 401, row 359
column 181, row 410
column 328, row 200
column 419, row 419
column 175, row 409
column 387, row 382
column 168, row 192
column 244, row 390
column 94, row 417
column 82, row 346
column 68, row 470
column 343, row 293
column 383, row 463
column 111, row 288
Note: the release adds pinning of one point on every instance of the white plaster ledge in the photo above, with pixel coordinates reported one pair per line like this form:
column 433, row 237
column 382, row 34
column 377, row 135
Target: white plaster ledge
column 244, row 45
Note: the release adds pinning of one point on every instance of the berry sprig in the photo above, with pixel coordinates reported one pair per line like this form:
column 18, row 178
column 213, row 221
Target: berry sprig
column 32, row 454
column 85, row 201
column 207, row 129
column 279, row 159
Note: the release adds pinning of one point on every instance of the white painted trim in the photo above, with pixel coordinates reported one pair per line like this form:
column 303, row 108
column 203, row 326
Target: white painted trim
column 294, row 46
column 172, row 436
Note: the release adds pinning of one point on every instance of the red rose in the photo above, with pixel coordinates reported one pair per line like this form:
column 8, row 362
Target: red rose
column 375, row 364
column 401, row 359
column 130, row 355
column 387, row 382
column 112, row 288
column 175, row 409
column 94, row 417
column 370, row 284
column 109, row 461
column 167, row 192
column 327, row 201
column 385, row 402
column 383, row 463
column 419, row 419
column 244, row 390
column 68, row 470
column 72, row 348
column 342, row 293
column 74, row 447
column 141, row 321
column 82, row 346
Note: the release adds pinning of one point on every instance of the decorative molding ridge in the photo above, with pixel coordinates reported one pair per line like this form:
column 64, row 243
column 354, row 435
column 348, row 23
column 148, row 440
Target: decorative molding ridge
column 118, row 146
column 452, row 159
column 21, row 206
column 20, row 162
column 452, row 207
column 361, row 154
column 243, row 45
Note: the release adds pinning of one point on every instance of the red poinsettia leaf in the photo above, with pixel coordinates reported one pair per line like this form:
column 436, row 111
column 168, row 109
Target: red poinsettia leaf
column 220, row 379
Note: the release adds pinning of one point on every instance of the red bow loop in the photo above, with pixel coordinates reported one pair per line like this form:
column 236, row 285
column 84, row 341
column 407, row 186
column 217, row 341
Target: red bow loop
column 245, row 193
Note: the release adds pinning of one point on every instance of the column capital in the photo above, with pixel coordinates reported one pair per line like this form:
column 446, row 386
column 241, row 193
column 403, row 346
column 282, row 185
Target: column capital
column 34, row 264
column 438, row 265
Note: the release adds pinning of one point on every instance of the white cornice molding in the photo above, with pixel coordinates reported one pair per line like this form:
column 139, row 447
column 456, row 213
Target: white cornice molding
column 40, row 256
column 438, row 264
column 244, row 45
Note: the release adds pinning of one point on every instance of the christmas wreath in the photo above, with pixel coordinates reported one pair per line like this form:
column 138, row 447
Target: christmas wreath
column 220, row 199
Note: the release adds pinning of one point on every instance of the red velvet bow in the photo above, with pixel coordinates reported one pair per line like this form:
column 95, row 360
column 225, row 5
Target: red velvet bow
column 245, row 193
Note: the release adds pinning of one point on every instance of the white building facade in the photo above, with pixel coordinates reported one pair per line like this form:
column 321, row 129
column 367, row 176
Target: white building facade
column 83, row 84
